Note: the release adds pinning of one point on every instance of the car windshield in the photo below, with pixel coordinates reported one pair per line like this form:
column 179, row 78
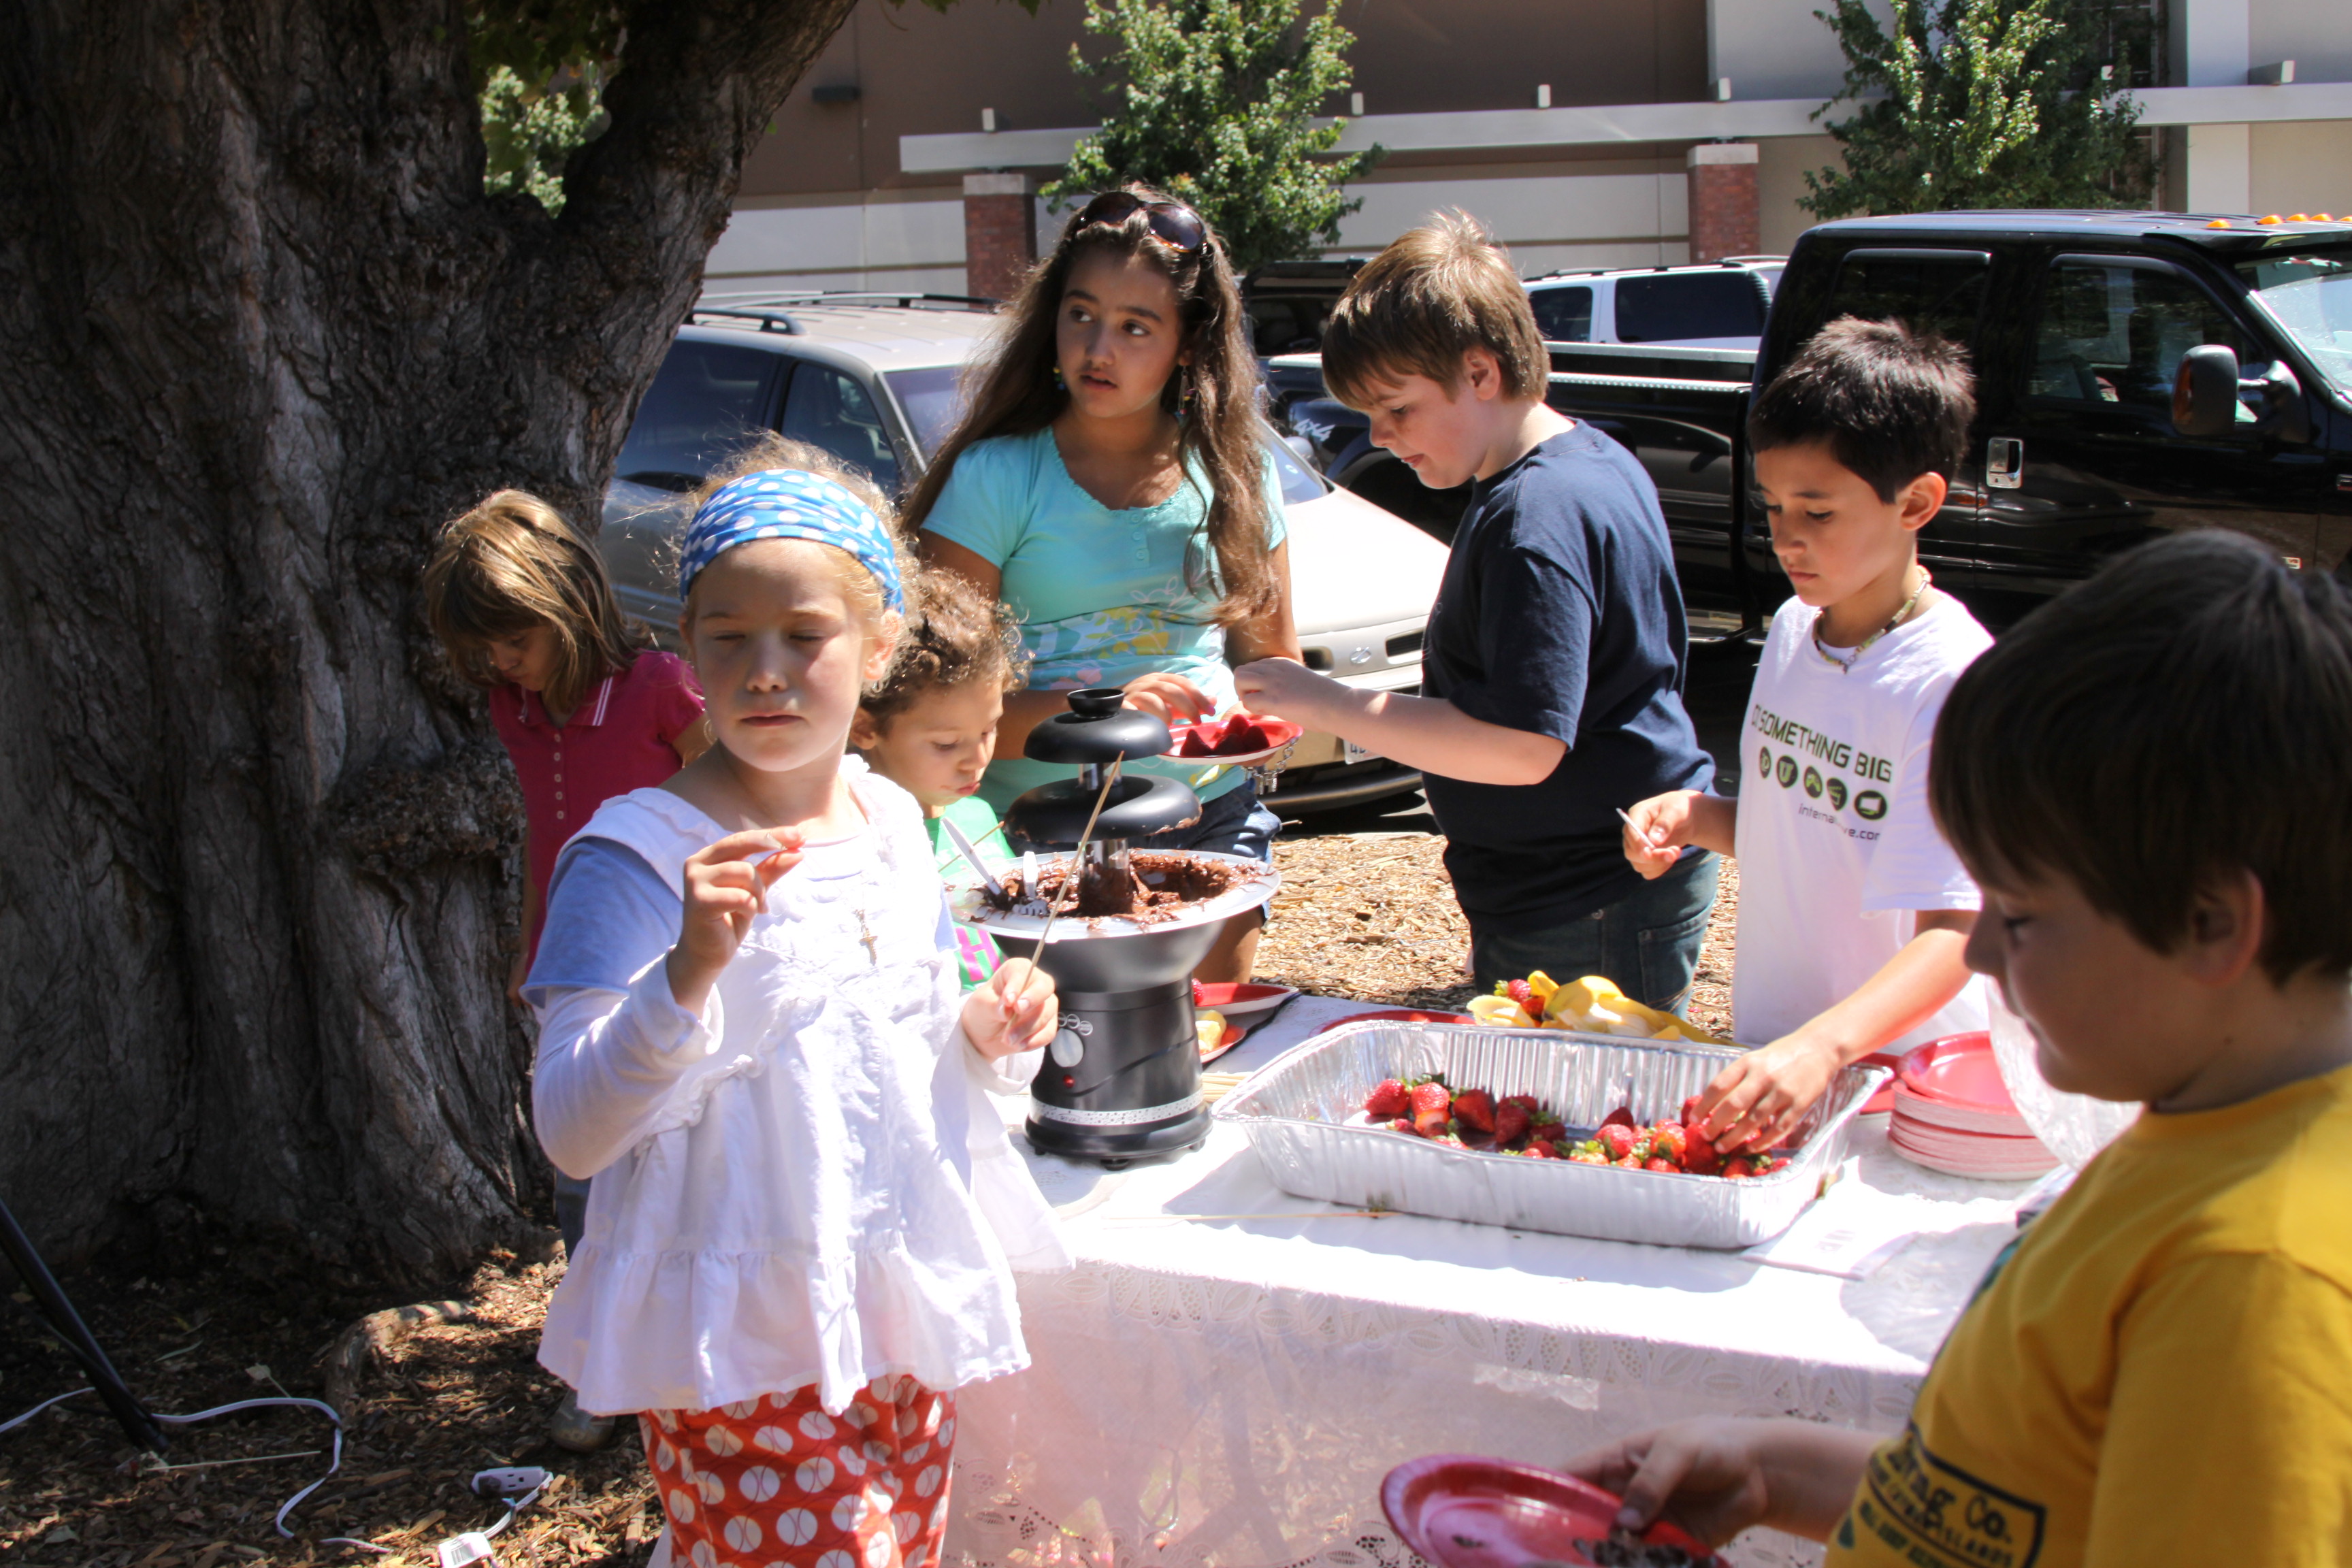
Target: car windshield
column 2309, row 295
column 1298, row 482
column 932, row 400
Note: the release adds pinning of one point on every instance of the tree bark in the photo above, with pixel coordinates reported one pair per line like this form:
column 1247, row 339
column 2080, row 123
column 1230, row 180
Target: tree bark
column 262, row 332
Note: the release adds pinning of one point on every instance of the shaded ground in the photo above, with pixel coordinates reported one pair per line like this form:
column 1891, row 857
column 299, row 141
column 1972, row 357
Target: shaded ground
column 1366, row 911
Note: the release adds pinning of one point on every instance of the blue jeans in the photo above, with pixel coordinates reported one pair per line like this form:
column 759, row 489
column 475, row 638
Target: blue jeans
column 571, row 1211
column 1647, row 942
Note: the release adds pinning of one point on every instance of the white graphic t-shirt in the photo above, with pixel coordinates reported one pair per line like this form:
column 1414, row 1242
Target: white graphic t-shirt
column 1835, row 844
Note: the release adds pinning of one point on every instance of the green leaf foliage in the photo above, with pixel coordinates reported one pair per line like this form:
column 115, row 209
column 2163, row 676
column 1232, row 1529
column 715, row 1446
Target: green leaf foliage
column 1214, row 101
column 540, row 66
column 1988, row 103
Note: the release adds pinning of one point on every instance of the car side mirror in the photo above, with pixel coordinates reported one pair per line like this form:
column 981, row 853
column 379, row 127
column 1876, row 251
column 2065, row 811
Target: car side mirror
column 2208, row 386
column 2205, row 391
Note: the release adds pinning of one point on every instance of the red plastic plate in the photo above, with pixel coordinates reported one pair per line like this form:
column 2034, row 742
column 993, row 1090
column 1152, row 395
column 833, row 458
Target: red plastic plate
column 1239, row 1001
column 1406, row 1015
column 1279, row 732
column 1462, row 1512
column 1232, row 1037
column 1959, row 1069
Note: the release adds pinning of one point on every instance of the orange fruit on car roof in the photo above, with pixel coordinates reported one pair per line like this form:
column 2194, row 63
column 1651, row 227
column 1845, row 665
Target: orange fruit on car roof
column 2299, row 217
column 2219, row 222
column 2271, row 218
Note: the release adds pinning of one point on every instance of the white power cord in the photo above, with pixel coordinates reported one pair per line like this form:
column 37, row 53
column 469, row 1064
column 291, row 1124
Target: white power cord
column 518, row 1487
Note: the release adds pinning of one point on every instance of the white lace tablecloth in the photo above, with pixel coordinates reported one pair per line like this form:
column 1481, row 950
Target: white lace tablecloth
column 1229, row 1372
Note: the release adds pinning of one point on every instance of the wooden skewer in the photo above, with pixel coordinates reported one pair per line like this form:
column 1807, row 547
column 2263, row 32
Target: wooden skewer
column 1078, row 855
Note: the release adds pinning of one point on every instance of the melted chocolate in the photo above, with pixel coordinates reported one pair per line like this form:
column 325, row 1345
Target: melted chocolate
column 1160, row 886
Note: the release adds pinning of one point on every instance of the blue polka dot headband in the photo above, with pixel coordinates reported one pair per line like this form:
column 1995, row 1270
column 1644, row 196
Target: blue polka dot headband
column 788, row 504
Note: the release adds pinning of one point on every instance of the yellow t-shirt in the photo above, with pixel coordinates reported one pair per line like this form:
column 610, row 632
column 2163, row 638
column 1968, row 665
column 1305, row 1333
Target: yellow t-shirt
column 2159, row 1372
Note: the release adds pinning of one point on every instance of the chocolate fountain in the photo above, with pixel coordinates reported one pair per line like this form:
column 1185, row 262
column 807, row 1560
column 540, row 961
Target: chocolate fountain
column 1122, row 1079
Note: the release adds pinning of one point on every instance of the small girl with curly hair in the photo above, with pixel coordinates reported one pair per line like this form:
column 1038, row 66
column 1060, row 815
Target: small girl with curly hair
column 930, row 726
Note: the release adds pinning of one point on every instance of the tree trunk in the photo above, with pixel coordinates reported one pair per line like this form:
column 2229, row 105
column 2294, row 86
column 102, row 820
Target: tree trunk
column 262, row 332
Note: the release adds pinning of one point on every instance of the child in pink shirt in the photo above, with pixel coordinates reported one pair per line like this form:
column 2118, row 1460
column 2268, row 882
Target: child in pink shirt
column 587, row 708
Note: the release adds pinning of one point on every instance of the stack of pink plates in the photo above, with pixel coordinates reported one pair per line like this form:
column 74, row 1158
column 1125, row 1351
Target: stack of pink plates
column 1953, row 1114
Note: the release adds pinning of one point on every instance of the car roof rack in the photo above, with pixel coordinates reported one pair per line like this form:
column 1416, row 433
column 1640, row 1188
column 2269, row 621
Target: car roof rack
column 769, row 320
column 909, row 299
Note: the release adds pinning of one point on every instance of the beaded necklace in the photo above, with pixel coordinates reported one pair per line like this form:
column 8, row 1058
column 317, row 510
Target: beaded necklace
column 1846, row 666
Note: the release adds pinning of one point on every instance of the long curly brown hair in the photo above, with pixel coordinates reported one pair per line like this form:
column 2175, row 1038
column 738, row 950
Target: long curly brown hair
column 1012, row 392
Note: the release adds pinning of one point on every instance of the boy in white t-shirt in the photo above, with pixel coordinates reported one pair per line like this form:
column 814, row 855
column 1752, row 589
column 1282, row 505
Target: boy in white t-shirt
column 1853, row 911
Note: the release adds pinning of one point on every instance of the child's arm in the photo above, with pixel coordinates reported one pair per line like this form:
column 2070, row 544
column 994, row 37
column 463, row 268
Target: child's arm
column 1759, row 1098
column 1424, row 732
column 521, row 969
column 1013, row 1010
column 1716, row 1476
column 1665, row 823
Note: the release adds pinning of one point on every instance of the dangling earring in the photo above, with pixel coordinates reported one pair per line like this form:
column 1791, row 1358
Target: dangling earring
column 1184, row 398
column 1059, row 384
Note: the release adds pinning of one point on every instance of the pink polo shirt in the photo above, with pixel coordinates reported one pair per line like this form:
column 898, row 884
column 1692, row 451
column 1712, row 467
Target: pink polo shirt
column 623, row 737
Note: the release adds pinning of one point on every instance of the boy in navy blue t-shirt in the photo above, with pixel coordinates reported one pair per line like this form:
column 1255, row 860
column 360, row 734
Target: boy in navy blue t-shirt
column 1552, row 668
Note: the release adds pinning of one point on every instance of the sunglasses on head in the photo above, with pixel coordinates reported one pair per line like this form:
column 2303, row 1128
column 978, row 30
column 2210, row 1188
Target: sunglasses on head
column 1178, row 227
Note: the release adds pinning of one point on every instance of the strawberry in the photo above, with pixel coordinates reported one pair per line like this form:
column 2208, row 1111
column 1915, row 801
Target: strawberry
column 1628, row 1163
column 1199, row 997
column 1390, row 1100
column 1522, row 993
column 1432, row 1123
column 1700, row 1157
column 1669, row 1142
column 1550, row 1131
column 1450, row 1139
column 1621, row 1117
column 1654, row 1163
column 1690, row 1112
column 1429, row 1097
column 1528, row 1101
column 1402, row 1124
column 1616, row 1138
column 1542, row 1151
column 1738, row 1168
column 1512, row 1122
column 1585, row 1154
column 1474, row 1108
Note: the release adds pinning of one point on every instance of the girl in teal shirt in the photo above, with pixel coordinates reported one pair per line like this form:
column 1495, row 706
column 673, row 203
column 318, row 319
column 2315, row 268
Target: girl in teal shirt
column 1112, row 485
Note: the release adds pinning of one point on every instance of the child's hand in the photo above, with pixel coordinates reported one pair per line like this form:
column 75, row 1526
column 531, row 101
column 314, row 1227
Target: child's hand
column 1660, row 827
column 1707, row 1472
column 1718, row 1476
column 1280, row 688
column 1013, row 1010
column 1759, row 1100
column 725, row 891
column 1169, row 698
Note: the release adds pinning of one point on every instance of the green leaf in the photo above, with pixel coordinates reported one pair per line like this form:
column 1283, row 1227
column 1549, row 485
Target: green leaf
column 1988, row 103
column 1214, row 101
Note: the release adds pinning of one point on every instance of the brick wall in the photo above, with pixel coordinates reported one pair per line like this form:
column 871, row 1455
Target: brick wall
column 1000, row 234
column 1723, row 215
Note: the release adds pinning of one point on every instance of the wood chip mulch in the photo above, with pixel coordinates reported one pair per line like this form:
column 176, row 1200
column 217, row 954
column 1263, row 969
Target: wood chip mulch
column 1372, row 916
column 1366, row 915
column 457, row 1398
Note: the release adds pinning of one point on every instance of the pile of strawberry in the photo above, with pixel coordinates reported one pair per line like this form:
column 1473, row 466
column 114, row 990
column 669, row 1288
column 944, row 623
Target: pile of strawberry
column 1472, row 1119
column 1518, row 1124
column 1675, row 1145
column 1232, row 735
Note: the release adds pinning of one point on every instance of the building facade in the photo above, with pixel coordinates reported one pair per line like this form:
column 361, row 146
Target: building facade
column 1632, row 132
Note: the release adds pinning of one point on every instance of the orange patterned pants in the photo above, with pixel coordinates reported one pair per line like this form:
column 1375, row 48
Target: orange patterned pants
column 775, row 1482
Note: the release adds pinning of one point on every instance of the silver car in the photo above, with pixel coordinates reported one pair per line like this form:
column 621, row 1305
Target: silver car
column 873, row 379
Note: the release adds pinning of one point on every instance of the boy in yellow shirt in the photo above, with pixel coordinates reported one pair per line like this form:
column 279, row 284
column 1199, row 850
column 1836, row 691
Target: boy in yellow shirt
column 2148, row 781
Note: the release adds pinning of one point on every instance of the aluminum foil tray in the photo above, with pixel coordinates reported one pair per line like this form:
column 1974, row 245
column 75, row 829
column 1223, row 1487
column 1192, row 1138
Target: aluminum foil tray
column 1295, row 1111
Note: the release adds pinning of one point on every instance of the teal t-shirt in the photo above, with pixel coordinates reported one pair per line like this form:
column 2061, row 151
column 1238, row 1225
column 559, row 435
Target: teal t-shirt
column 1102, row 596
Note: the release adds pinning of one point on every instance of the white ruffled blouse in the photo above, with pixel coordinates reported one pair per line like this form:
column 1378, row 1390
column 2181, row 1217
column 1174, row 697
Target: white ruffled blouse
column 806, row 1185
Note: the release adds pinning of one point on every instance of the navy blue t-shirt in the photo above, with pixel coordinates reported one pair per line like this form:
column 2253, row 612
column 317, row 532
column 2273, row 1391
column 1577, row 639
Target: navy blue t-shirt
column 1559, row 614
